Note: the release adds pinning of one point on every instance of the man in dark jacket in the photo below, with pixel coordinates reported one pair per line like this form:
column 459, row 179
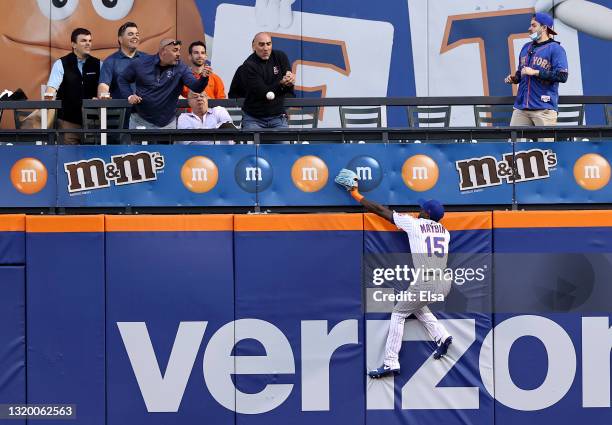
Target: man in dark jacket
column 237, row 88
column 268, row 81
column 74, row 77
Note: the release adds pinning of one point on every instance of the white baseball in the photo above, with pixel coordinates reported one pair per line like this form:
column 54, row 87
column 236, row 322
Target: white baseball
column 270, row 95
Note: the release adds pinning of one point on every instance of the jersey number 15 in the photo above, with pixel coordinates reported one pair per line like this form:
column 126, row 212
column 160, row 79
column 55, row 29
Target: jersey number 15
column 435, row 246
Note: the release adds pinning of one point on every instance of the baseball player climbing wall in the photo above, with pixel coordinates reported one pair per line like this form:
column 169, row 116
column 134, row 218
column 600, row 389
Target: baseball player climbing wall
column 429, row 391
column 266, row 319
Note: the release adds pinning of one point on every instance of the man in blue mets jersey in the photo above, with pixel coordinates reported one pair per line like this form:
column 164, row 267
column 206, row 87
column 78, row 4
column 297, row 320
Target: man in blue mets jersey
column 542, row 66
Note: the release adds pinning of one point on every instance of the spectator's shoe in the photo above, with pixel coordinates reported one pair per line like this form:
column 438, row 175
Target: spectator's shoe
column 383, row 371
column 442, row 348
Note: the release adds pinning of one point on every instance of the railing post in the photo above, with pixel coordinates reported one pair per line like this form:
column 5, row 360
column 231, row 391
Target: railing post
column 256, row 208
column 43, row 122
column 514, row 170
column 103, row 125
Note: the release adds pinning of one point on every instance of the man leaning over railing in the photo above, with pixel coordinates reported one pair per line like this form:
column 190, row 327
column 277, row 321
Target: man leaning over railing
column 159, row 80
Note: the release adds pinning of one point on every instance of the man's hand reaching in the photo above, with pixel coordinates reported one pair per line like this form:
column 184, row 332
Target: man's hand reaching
column 288, row 80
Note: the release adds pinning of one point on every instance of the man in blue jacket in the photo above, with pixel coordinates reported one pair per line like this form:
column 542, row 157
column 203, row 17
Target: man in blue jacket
column 542, row 66
column 159, row 79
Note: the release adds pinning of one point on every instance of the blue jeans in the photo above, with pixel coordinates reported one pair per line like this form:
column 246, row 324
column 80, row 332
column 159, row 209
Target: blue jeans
column 253, row 123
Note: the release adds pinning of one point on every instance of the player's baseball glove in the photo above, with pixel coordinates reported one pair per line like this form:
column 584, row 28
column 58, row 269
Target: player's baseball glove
column 347, row 179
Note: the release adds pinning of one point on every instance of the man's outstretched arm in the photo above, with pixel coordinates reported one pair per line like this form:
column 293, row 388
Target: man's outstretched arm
column 350, row 181
column 372, row 206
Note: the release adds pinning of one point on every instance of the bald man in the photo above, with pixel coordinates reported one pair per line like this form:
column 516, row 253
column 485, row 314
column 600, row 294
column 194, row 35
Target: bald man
column 158, row 80
column 268, row 80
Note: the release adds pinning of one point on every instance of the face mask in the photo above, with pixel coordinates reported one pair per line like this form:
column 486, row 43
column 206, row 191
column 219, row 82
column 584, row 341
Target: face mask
column 535, row 36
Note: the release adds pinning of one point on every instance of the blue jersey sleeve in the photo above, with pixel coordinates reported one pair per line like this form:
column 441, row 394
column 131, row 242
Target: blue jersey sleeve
column 559, row 66
column 522, row 62
column 125, row 78
column 196, row 85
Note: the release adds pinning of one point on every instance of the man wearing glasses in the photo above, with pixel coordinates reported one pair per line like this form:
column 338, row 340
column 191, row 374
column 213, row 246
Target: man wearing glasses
column 158, row 80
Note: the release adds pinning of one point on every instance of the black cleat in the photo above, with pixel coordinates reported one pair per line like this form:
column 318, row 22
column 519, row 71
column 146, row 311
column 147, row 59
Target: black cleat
column 442, row 348
column 382, row 371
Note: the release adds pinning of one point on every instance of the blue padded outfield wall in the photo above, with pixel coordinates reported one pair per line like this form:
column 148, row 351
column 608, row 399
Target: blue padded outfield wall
column 65, row 303
column 302, row 175
column 266, row 319
column 561, row 278
column 12, row 311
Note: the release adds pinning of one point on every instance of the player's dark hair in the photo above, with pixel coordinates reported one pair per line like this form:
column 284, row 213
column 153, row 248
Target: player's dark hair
column 124, row 27
column 78, row 31
column 197, row 43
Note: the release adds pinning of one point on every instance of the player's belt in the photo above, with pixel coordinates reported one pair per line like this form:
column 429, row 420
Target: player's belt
column 429, row 275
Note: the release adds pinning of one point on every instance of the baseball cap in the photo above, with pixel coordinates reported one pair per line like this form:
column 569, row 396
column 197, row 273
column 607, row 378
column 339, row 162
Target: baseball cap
column 433, row 208
column 545, row 19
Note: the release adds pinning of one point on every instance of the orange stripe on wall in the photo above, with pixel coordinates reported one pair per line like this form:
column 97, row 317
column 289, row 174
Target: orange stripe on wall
column 468, row 221
column 372, row 222
column 169, row 223
column 297, row 222
column 65, row 223
column 452, row 221
column 525, row 219
column 12, row 222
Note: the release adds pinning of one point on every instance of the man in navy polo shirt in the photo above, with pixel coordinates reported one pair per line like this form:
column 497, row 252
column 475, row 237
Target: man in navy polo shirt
column 159, row 80
column 128, row 38
column 542, row 66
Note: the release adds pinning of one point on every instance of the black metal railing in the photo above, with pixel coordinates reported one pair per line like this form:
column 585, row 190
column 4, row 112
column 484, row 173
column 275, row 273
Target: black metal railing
column 329, row 101
column 381, row 101
column 384, row 134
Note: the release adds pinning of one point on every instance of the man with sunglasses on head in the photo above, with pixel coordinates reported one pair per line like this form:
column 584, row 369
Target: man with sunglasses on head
column 158, row 80
column 542, row 66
